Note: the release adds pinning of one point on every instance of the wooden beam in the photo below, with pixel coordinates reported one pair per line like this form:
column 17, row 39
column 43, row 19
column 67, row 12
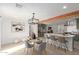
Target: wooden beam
column 64, row 16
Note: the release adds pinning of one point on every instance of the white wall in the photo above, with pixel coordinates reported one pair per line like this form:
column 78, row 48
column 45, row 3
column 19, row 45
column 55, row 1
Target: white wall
column 0, row 32
column 8, row 36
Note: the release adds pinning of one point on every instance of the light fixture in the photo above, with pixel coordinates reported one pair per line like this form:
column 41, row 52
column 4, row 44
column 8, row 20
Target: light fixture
column 64, row 7
column 33, row 20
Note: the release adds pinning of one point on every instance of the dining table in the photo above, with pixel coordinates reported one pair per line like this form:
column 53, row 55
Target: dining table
column 35, row 43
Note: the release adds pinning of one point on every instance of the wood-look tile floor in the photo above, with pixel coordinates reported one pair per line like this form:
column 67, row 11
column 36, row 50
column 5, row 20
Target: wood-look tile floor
column 50, row 50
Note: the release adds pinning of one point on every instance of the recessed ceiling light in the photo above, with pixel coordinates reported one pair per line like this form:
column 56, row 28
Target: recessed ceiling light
column 64, row 7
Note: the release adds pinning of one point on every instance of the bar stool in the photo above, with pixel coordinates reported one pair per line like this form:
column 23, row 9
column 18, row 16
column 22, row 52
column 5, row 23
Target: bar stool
column 62, row 41
column 53, row 39
column 47, row 38
column 41, row 47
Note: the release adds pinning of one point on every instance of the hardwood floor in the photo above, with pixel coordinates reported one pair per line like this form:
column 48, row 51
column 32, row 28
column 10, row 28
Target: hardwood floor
column 50, row 50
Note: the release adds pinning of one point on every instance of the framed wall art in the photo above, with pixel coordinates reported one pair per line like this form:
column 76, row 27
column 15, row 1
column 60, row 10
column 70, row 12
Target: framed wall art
column 17, row 26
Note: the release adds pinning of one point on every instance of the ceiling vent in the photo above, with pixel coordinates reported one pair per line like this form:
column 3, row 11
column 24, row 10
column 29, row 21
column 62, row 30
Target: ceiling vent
column 19, row 5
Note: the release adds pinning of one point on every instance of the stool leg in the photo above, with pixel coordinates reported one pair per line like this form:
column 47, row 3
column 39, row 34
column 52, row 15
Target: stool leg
column 65, row 46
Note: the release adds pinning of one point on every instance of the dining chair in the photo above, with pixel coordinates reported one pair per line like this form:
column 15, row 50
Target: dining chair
column 63, row 43
column 28, row 46
column 42, row 47
column 48, row 39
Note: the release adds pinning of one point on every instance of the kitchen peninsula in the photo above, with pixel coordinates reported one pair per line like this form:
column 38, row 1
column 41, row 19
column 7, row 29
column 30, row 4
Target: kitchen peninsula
column 68, row 37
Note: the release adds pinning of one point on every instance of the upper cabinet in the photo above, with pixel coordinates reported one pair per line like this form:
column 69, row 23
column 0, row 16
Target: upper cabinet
column 70, row 26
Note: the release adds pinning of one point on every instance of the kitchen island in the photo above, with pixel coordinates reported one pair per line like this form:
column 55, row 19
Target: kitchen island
column 68, row 37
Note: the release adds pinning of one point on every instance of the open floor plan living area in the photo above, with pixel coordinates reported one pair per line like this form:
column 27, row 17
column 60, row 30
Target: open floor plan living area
column 39, row 28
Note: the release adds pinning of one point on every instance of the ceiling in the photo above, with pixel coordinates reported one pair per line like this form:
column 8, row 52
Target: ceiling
column 43, row 10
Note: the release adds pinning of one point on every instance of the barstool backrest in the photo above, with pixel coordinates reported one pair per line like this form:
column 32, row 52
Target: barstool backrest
column 27, row 45
column 42, row 46
column 48, row 37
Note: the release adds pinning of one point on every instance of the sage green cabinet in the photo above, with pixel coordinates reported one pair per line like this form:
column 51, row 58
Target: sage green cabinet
column 76, row 38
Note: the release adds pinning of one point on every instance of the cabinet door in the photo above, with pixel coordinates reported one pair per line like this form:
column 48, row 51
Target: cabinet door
column 77, row 23
column 76, row 38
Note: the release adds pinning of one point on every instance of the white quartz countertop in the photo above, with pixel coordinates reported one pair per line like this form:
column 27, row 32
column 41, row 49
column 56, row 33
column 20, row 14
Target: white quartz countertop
column 60, row 35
